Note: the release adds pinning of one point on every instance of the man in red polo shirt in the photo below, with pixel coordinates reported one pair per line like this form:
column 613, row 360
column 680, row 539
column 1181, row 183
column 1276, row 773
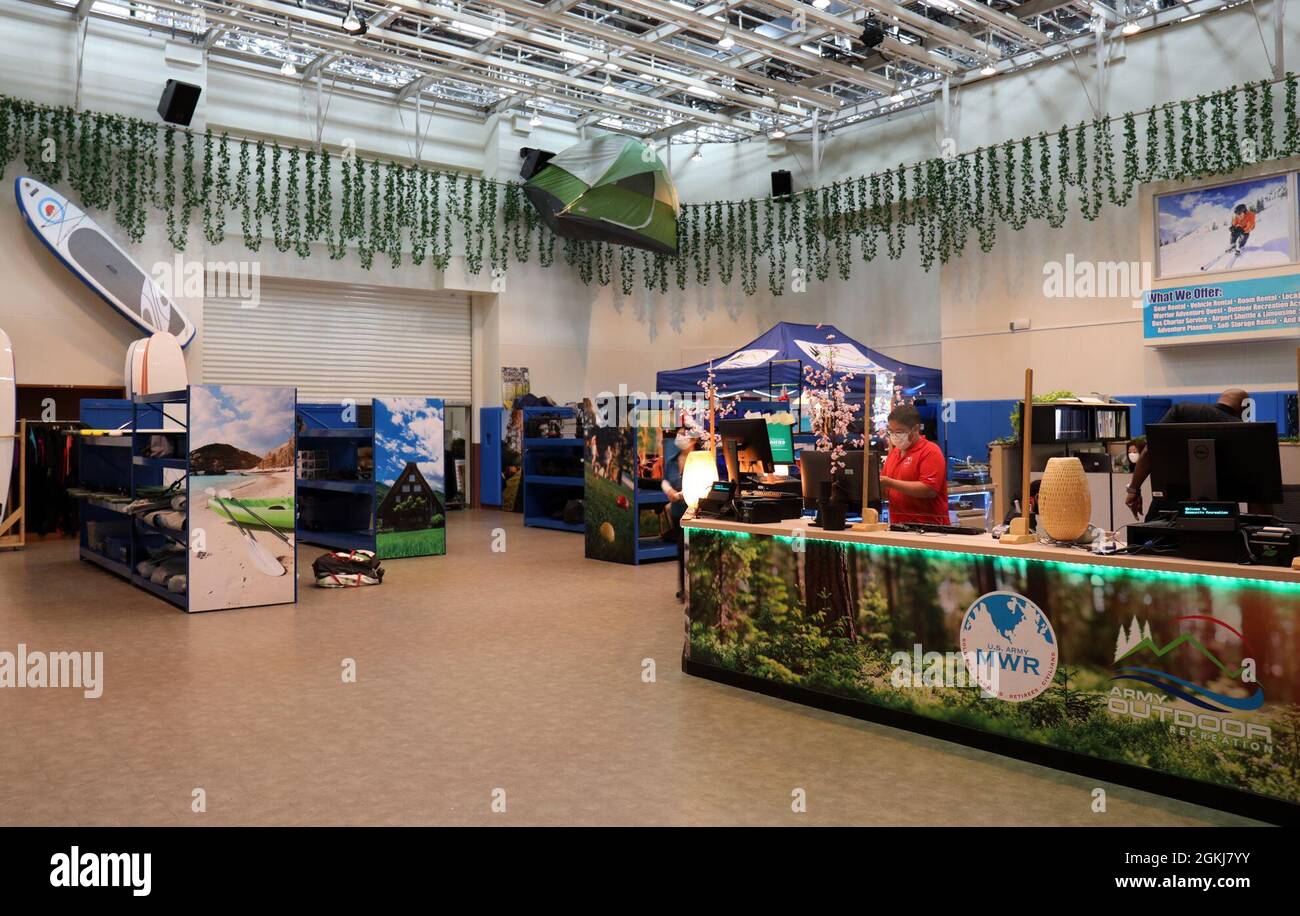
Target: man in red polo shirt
column 915, row 476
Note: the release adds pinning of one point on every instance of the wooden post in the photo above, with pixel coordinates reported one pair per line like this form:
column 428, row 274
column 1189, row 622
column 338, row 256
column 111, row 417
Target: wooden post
column 17, row 516
column 713, row 417
column 1020, row 532
column 870, row 517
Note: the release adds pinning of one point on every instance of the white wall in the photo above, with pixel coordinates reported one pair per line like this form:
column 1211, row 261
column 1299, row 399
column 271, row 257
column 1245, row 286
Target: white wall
column 578, row 340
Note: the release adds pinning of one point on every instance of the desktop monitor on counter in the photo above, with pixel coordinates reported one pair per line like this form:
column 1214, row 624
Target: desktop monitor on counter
column 1215, row 462
column 745, row 442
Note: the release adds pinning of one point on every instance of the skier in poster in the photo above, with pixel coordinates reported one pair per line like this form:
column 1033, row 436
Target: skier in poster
column 1243, row 224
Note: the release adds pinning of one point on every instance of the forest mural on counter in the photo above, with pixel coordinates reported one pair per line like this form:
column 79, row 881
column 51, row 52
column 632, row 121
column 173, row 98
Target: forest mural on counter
column 1193, row 676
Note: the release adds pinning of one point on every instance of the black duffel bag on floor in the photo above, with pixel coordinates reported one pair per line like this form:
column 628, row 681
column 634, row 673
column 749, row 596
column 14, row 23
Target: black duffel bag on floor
column 347, row 568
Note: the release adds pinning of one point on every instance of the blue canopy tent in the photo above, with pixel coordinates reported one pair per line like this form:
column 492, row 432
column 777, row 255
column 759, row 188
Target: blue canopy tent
column 775, row 361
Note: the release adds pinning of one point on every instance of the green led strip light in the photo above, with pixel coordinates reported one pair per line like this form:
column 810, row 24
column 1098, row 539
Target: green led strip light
column 1144, row 575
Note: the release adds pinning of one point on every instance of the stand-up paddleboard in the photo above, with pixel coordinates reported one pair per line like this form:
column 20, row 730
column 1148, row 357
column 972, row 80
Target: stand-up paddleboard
column 134, row 367
column 98, row 261
column 162, row 365
column 8, row 420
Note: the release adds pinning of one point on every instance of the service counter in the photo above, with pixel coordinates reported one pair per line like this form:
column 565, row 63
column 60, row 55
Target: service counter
column 1174, row 676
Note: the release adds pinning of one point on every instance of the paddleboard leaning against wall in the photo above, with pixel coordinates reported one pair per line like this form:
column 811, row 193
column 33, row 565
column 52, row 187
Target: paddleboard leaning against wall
column 98, row 261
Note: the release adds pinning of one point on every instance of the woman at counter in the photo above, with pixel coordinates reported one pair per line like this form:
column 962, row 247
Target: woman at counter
column 915, row 476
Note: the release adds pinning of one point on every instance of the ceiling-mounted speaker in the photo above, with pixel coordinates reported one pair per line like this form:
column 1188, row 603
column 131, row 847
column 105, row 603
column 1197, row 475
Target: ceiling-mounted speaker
column 178, row 102
column 782, row 183
column 872, row 35
column 534, row 161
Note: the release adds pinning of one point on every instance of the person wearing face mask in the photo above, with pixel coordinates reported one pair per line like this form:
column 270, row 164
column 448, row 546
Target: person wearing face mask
column 915, row 476
column 1135, row 449
column 686, row 440
column 1229, row 408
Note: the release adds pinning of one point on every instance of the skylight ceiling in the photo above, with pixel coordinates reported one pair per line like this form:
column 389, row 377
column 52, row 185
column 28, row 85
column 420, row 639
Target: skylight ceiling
column 693, row 70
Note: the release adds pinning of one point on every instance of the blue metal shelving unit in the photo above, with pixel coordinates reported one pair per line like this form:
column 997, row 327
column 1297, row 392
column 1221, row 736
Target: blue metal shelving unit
column 541, row 491
column 653, row 548
column 150, row 412
column 345, row 503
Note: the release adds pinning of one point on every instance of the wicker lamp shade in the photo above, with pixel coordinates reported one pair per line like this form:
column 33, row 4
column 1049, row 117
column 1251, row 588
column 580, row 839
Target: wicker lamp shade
column 1064, row 502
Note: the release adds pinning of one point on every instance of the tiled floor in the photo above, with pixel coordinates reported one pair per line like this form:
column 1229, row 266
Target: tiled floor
column 478, row 671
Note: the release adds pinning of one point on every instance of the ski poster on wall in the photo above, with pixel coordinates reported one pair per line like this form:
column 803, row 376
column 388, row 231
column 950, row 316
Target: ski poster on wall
column 241, row 496
column 1245, row 225
column 410, row 477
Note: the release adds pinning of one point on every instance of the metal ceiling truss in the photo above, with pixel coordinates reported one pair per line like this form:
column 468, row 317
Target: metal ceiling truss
column 690, row 70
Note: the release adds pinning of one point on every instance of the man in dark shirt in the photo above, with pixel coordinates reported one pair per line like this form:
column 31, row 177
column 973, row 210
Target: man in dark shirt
column 1229, row 408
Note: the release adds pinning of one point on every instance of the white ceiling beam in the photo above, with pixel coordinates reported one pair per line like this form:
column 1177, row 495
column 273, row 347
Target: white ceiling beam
column 666, row 12
column 531, row 76
column 889, row 11
column 559, row 48
column 1002, row 21
column 627, row 42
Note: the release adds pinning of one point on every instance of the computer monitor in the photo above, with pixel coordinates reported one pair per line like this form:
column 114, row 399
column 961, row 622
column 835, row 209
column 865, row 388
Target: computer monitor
column 1215, row 462
column 753, row 450
column 846, row 480
column 780, row 438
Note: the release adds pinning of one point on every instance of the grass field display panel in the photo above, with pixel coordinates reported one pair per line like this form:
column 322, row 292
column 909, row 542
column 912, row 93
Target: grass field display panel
column 1190, row 676
column 609, row 495
column 410, row 478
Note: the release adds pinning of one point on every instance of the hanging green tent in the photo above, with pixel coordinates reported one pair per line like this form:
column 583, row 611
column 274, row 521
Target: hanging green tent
column 609, row 189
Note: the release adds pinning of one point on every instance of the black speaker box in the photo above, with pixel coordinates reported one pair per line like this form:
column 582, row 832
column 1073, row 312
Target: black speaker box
column 782, row 183
column 534, row 161
column 178, row 101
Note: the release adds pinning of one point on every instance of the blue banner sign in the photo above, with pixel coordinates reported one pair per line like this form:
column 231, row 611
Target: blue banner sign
column 1267, row 307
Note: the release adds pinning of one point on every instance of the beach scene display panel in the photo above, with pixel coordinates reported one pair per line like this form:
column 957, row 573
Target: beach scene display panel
column 241, row 496
column 410, row 477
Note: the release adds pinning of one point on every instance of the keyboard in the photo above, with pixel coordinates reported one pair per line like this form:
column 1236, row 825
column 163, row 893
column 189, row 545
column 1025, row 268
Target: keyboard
column 919, row 527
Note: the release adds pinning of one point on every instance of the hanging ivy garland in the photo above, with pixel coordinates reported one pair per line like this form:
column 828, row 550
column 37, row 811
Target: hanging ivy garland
column 304, row 199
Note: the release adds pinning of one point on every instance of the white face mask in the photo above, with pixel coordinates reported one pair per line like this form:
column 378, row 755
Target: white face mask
column 900, row 440
column 682, row 441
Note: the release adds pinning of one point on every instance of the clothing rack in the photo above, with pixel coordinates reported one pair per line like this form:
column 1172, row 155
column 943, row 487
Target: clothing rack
column 17, row 517
column 33, row 504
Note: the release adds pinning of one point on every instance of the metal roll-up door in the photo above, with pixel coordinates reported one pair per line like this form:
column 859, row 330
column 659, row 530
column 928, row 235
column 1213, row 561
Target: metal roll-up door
column 338, row 340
